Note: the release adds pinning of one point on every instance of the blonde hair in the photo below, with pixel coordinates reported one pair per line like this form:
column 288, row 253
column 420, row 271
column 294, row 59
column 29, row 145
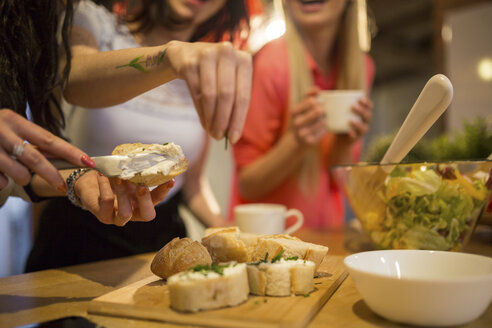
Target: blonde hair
column 351, row 75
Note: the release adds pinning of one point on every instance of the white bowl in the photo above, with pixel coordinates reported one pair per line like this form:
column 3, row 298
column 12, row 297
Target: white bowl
column 430, row 288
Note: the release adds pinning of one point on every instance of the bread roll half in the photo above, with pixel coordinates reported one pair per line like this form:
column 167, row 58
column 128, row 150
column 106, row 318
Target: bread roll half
column 179, row 255
column 166, row 169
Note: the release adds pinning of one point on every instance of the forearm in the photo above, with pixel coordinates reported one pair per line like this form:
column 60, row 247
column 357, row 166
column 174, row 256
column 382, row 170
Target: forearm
column 102, row 79
column 265, row 174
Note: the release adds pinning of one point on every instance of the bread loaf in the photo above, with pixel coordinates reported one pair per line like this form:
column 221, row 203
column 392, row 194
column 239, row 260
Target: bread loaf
column 281, row 277
column 179, row 255
column 209, row 287
column 166, row 168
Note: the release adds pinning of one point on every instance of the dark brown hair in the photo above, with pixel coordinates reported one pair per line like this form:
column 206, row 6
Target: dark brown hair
column 228, row 22
column 29, row 58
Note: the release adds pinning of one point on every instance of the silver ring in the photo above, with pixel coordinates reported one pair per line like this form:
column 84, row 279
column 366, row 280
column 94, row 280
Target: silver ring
column 18, row 150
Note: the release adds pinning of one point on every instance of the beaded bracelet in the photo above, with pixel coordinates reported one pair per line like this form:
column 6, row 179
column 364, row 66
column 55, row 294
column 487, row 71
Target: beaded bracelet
column 72, row 178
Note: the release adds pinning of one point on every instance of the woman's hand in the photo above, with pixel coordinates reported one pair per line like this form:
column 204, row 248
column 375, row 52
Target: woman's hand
column 219, row 79
column 17, row 157
column 363, row 108
column 308, row 121
column 114, row 201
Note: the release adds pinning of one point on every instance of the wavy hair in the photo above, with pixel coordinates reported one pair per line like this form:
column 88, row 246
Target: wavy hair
column 30, row 55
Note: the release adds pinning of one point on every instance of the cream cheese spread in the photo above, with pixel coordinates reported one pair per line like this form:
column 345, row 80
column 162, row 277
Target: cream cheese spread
column 151, row 160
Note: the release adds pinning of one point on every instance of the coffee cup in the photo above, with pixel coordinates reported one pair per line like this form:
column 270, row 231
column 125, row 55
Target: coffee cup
column 337, row 106
column 266, row 219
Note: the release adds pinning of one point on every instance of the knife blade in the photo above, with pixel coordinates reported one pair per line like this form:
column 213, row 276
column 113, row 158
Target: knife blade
column 116, row 165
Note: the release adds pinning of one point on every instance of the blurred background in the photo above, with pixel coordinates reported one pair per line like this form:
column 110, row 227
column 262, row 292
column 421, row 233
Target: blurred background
column 412, row 41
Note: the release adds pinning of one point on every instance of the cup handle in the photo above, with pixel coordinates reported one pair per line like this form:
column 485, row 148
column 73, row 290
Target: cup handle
column 299, row 222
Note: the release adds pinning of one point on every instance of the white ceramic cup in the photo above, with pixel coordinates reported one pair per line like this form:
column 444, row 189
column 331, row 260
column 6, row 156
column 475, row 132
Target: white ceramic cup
column 266, row 219
column 337, row 105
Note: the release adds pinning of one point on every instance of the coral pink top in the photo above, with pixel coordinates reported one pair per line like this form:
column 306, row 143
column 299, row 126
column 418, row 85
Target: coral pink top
column 264, row 126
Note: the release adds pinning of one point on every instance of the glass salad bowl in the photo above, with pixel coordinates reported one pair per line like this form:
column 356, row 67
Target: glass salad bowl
column 432, row 206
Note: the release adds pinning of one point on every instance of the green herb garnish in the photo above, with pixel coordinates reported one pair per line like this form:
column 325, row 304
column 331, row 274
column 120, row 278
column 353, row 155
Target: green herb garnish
column 292, row 258
column 306, row 295
column 165, row 143
column 217, row 268
column 266, row 257
column 278, row 257
column 265, row 300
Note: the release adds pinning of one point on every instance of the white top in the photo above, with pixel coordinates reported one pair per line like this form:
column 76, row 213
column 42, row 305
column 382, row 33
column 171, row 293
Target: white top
column 12, row 189
column 164, row 114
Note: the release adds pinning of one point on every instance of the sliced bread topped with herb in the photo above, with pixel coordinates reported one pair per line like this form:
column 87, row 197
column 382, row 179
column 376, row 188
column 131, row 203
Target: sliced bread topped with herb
column 289, row 246
column 206, row 287
column 281, row 276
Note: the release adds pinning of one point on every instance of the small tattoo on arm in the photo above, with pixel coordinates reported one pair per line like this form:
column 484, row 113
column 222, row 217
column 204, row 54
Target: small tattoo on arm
column 143, row 64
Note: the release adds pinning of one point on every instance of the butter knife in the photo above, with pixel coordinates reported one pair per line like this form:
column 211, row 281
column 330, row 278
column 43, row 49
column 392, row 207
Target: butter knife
column 115, row 165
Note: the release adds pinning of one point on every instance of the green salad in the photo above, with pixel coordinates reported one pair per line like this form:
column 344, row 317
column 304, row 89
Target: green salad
column 429, row 207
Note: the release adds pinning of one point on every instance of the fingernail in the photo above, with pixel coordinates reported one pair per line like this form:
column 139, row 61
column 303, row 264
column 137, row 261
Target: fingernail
column 142, row 191
column 63, row 187
column 218, row 135
column 235, row 137
column 170, row 183
column 87, row 161
column 100, row 173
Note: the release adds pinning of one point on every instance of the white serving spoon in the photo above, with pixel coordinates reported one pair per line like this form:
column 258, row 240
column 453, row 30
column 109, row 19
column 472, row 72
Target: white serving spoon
column 433, row 100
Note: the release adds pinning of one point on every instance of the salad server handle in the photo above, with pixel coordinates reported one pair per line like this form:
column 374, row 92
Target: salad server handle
column 433, row 100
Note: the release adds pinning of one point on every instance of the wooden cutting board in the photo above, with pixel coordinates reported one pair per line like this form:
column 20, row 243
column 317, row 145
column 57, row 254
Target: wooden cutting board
column 148, row 299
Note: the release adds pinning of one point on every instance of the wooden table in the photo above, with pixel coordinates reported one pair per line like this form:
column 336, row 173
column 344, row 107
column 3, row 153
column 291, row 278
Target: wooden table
column 50, row 294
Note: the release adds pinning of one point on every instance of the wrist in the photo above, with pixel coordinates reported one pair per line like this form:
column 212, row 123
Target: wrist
column 71, row 190
column 296, row 144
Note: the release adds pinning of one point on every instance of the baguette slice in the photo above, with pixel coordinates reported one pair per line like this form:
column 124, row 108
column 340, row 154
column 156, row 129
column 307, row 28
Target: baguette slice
column 175, row 164
column 281, row 278
column 224, row 245
column 179, row 255
column 205, row 289
column 271, row 246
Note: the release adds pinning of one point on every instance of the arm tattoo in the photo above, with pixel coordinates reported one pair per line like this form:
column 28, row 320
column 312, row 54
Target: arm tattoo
column 141, row 64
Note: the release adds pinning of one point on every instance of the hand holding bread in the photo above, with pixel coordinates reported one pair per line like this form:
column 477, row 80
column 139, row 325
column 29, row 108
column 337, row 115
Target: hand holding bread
column 117, row 202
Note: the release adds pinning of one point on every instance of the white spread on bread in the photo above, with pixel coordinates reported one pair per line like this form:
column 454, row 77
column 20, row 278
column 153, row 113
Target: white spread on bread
column 281, row 277
column 162, row 157
column 209, row 287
